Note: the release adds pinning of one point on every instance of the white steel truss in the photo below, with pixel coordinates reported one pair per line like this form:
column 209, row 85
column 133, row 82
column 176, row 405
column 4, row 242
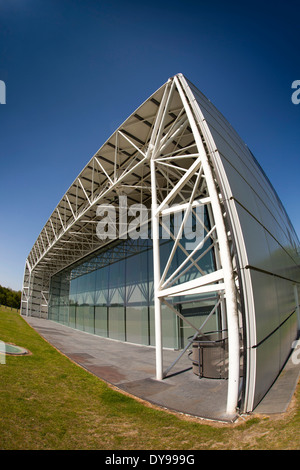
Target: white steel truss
column 159, row 158
column 190, row 177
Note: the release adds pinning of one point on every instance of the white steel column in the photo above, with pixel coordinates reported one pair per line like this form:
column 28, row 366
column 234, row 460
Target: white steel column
column 156, row 275
column 155, row 229
column 26, row 286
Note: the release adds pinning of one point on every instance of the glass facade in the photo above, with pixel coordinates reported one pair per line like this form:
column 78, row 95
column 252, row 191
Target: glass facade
column 110, row 293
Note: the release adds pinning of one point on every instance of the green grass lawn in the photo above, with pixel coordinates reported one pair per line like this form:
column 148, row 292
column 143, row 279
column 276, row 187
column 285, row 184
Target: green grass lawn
column 48, row 402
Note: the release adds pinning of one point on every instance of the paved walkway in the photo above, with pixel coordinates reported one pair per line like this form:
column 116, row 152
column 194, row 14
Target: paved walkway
column 132, row 368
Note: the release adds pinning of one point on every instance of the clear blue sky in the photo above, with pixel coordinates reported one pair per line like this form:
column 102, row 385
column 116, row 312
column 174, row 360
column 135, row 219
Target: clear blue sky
column 76, row 69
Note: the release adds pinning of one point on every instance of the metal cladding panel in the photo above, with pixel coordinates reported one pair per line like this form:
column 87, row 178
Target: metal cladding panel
column 255, row 241
column 267, row 247
column 248, row 184
column 271, row 356
column 265, row 303
column 285, row 298
column 267, row 366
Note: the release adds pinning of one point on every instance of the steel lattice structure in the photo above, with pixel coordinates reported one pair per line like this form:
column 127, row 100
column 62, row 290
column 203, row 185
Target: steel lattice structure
column 176, row 152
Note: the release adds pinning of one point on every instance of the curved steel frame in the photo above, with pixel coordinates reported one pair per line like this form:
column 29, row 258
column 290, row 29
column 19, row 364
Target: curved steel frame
column 163, row 290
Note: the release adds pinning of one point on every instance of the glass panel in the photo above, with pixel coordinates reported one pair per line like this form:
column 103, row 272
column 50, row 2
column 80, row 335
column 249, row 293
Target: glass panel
column 73, row 302
column 197, row 313
column 80, row 317
column 137, row 299
column 54, row 298
column 116, row 311
column 101, row 301
column 137, row 330
column 169, row 327
column 151, row 297
column 64, row 299
column 64, row 314
column 116, row 327
column 195, row 230
column 72, row 316
column 53, row 311
column 101, row 321
column 89, row 318
column 152, row 325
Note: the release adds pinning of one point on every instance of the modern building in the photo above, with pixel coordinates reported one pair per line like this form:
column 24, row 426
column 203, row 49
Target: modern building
column 172, row 236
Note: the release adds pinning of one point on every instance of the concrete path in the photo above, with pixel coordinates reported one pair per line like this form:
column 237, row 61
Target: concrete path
column 131, row 368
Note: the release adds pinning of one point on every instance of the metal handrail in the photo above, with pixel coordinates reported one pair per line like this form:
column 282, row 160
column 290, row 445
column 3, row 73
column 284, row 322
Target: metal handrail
column 194, row 339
